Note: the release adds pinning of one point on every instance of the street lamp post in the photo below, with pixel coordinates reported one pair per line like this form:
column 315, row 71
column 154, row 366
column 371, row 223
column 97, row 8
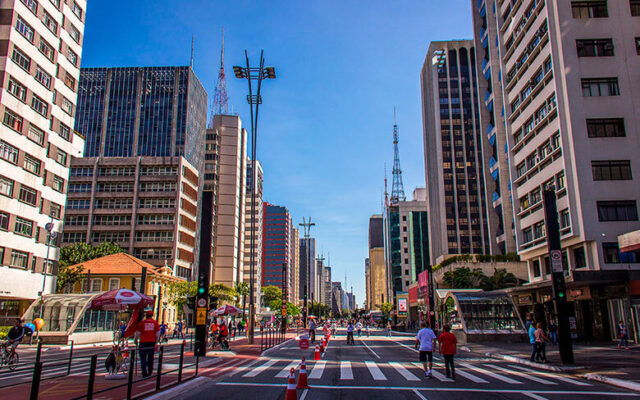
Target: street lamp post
column 253, row 74
column 307, row 228
column 50, row 234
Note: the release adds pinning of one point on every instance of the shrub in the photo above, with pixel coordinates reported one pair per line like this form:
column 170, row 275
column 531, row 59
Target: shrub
column 4, row 331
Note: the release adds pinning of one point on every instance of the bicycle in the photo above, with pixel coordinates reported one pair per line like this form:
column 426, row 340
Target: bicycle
column 214, row 341
column 9, row 357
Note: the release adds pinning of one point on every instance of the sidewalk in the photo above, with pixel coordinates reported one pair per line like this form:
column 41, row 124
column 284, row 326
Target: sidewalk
column 602, row 359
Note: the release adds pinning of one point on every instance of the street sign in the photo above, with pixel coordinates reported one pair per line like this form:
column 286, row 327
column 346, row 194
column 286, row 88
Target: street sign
column 284, row 311
column 304, row 344
column 201, row 316
column 556, row 260
column 202, row 302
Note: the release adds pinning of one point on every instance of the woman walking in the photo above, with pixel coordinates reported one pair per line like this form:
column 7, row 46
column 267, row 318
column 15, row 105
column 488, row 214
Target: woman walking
column 541, row 339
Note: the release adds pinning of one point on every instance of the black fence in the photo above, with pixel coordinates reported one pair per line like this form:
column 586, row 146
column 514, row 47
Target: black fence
column 270, row 337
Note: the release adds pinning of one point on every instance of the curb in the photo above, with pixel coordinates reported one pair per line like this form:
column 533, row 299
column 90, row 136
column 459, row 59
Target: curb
column 525, row 362
column 613, row 381
column 264, row 353
column 465, row 348
column 177, row 391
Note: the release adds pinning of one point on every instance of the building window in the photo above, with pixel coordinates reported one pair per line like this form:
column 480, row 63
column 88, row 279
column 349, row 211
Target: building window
column 589, row 9
column 611, row 253
column 19, row 259
column 635, row 7
column 24, row 28
column 23, row 227
column 55, row 210
column 6, row 186
column 565, row 221
column 50, row 23
column 74, row 33
column 58, row 183
column 70, row 81
column 96, row 285
column 74, row 237
column 65, row 132
column 67, row 106
column 31, row 5
column 80, row 188
column 538, row 230
column 27, row 195
column 12, row 120
column 76, row 220
column 527, row 235
column 17, row 89
column 39, row 105
column 61, row 157
column 535, row 266
column 72, row 57
column 592, row 87
column 36, row 134
column 605, row 127
column 77, row 10
column 21, row 59
column 32, row 164
column 43, row 77
column 595, row 47
column 78, row 204
column 114, row 283
column 81, row 171
column 617, row 211
column 611, row 170
column 46, row 49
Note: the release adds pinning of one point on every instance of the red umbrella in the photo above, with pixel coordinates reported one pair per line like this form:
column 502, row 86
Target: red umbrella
column 120, row 300
column 226, row 310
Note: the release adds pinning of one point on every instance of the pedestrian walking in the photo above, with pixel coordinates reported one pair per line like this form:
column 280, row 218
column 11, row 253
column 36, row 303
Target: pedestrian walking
column 359, row 328
column 529, row 321
column 541, row 339
column 448, row 343
column 149, row 332
column 622, row 334
column 425, row 342
column 553, row 331
column 389, row 328
column 180, row 335
column 532, row 341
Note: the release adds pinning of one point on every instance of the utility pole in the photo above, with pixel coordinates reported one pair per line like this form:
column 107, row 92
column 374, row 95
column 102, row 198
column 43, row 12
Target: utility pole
column 558, row 287
column 285, row 295
column 253, row 74
column 306, row 225
column 204, row 271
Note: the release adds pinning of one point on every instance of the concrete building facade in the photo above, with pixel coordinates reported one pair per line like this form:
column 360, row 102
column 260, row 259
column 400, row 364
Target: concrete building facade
column 257, row 177
column 276, row 249
column 42, row 46
column 378, row 273
column 308, row 268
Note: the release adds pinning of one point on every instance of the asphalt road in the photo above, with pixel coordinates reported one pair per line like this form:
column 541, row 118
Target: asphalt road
column 378, row 367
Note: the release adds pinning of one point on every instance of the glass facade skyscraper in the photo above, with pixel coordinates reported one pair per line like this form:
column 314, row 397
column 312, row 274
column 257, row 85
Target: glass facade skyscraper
column 142, row 111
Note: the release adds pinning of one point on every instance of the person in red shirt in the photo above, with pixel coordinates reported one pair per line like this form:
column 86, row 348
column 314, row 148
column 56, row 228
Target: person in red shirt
column 448, row 343
column 149, row 332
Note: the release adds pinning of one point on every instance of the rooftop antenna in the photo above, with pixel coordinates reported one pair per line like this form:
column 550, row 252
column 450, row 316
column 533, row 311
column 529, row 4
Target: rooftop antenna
column 220, row 99
column 191, row 62
column 397, row 188
column 386, row 193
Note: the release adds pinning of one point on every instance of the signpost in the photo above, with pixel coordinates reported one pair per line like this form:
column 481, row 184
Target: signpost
column 304, row 343
column 204, row 269
column 283, row 324
column 558, row 287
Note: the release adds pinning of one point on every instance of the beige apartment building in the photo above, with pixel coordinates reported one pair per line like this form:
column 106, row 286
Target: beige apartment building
column 569, row 78
column 378, row 282
column 230, row 223
column 257, row 177
column 147, row 205
column 41, row 49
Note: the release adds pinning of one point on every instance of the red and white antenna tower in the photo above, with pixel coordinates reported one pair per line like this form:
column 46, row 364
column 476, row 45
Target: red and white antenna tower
column 220, row 98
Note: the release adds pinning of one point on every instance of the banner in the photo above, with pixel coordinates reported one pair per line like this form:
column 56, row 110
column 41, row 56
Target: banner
column 402, row 306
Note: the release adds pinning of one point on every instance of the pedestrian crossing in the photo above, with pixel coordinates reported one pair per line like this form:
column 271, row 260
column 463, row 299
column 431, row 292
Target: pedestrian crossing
column 350, row 371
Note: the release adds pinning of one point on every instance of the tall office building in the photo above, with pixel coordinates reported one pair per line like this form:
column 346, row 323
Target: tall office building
column 378, row 273
column 454, row 168
column 326, row 286
column 257, row 177
column 276, row 248
column 42, row 45
column 367, row 284
column 231, row 190
column 308, row 270
column 569, row 79
column 295, row 264
column 414, row 239
column 318, row 287
column 139, row 180
column 337, row 295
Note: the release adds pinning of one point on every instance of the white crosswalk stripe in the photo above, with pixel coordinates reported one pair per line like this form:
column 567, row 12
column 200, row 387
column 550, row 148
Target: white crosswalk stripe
column 460, row 372
column 403, row 371
column 375, row 371
column 554, row 376
column 491, row 374
column 521, row 374
column 287, row 370
column 345, row 370
column 318, row 369
column 434, row 373
column 259, row 369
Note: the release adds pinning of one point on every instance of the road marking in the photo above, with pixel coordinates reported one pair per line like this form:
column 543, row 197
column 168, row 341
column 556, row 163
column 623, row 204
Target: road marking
column 574, row 393
column 287, row 370
column 554, row 376
column 491, row 374
column 420, row 396
column 532, row 378
column 467, row 375
column 434, row 373
column 304, row 394
column 404, row 345
column 245, row 367
column 259, row 369
column 375, row 371
column 534, row 396
column 318, row 369
column 403, row 371
column 371, row 350
column 345, row 370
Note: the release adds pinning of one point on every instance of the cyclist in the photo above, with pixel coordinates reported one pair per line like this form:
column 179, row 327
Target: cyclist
column 223, row 335
column 163, row 333
column 15, row 335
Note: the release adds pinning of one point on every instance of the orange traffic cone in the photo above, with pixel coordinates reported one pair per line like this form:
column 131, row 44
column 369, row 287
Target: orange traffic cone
column 302, row 377
column 291, row 393
column 324, row 342
column 316, row 355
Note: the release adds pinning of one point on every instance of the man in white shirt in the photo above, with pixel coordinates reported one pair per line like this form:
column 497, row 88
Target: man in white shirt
column 425, row 341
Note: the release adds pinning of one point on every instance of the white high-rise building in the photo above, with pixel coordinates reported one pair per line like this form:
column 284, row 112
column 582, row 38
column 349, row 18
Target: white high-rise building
column 257, row 177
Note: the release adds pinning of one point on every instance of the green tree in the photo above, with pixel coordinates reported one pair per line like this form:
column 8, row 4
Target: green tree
column 271, row 293
column 77, row 253
column 224, row 293
column 499, row 280
column 464, row 278
column 242, row 291
column 177, row 292
column 386, row 308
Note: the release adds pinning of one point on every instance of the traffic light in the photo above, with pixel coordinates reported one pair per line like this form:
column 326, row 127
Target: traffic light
column 213, row 302
column 561, row 290
column 201, row 290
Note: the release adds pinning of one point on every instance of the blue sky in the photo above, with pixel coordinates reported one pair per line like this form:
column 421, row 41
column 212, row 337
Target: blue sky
column 325, row 129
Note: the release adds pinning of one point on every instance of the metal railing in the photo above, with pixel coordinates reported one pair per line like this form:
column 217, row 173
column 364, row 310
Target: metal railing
column 270, row 337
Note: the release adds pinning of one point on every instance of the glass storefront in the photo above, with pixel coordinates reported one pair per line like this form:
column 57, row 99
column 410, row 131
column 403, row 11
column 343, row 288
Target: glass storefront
column 483, row 313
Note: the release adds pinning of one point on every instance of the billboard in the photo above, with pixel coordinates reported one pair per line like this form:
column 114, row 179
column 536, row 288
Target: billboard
column 402, row 306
